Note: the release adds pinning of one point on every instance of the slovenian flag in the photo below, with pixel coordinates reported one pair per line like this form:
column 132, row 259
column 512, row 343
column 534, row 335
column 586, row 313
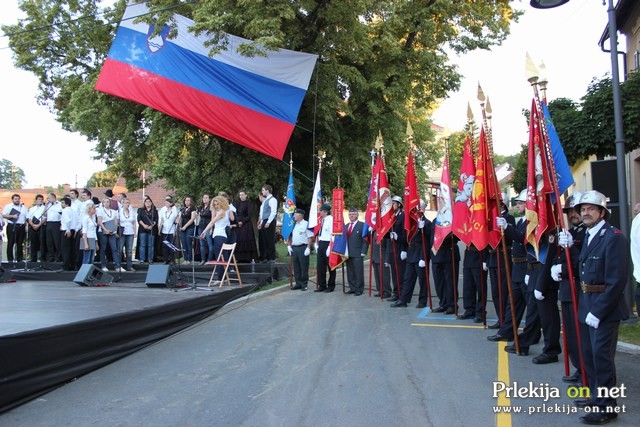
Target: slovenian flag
column 253, row 101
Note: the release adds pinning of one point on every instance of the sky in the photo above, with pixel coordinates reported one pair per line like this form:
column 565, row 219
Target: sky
column 565, row 38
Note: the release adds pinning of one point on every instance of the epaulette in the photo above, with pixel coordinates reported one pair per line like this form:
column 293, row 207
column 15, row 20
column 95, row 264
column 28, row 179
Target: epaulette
column 616, row 231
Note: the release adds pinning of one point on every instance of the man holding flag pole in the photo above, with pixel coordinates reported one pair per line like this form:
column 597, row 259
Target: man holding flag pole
column 445, row 256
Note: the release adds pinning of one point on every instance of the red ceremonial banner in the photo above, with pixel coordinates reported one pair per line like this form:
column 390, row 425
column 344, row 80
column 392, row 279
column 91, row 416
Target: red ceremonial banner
column 337, row 208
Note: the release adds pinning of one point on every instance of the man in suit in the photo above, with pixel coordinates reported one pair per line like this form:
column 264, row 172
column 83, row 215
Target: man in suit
column 560, row 273
column 398, row 254
column 603, row 269
column 518, row 273
column 498, row 272
column 442, row 265
column 417, row 259
column 380, row 265
column 357, row 247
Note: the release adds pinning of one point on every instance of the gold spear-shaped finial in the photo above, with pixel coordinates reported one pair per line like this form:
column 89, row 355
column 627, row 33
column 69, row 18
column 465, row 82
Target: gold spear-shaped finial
column 488, row 109
column 481, row 96
column 379, row 141
column 409, row 130
column 469, row 113
column 531, row 71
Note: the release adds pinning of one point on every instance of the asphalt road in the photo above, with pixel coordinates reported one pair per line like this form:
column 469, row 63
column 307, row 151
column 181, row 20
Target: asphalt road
column 305, row 359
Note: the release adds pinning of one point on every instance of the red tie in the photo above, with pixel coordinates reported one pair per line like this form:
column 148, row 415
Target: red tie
column 350, row 229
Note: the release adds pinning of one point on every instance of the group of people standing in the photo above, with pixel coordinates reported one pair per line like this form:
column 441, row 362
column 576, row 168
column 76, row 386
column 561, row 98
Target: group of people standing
column 599, row 258
column 77, row 227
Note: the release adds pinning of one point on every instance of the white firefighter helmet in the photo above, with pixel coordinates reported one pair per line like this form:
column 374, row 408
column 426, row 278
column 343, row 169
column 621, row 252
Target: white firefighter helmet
column 522, row 197
column 593, row 198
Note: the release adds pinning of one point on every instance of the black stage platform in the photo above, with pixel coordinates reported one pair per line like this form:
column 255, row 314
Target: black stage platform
column 52, row 332
column 258, row 274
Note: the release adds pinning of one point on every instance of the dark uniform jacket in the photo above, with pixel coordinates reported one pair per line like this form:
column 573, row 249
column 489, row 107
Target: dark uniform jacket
column 415, row 251
column 443, row 256
column 604, row 261
column 564, row 293
column 493, row 254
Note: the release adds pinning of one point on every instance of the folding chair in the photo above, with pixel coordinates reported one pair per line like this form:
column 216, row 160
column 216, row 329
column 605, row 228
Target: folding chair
column 231, row 260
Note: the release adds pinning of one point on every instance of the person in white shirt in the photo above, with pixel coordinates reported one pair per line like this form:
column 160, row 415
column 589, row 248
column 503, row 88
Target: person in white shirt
column 634, row 237
column 35, row 218
column 52, row 228
column 300, row 244
column 219, row 223
column 322, row 251
column 68, row 235
column 167, row 226
column 128, row 222
column 267, row 225
column 81, row 212
column 107, row 230
column 89, row 236
column 15, row 213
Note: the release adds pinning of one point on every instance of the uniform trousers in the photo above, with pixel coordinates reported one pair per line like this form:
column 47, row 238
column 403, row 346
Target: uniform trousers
column 474, row 291
column 53, row 241
column 300, row 265
column 380, row 272
column 599, row 351
column 15, row 238
column 67, row 251
column 322, row 267
column 355, row 274
column 412, row 272
column 519, row 290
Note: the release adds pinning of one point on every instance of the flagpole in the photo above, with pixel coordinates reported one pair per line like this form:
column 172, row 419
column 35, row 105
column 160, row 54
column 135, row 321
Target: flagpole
column 372, row 153
column 290, row 238
column 486, row 117
column 533, row 80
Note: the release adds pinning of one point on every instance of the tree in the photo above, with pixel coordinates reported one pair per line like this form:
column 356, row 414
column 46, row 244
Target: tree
column 105, row 178
column 587, row 128
column 11, row 176
column 381, row 63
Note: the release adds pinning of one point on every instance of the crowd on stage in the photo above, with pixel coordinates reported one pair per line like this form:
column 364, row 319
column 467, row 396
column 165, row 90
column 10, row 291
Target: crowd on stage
column 80, row 228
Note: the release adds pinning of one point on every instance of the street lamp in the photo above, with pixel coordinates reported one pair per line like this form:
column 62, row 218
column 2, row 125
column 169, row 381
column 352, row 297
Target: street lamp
column 547, row 4
column 617, row 115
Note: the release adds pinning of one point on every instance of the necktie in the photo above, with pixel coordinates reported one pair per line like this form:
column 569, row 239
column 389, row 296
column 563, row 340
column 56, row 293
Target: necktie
column 350, row 229
column 587, row 236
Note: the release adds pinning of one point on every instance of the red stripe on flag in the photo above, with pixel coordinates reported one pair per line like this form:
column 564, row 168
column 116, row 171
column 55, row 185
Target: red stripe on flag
column 218, row 116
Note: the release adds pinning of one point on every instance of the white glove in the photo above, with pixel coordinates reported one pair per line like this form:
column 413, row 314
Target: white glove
column 538, row 295
column 484, row 266
column 526, row 279
column 289, row 249
column 394, row 235
column 307, row 251
column 592, row 320
column 420, row 224
column 422, row 264
column 501, row 222
column 565, row 239
column 556, row 272
column 403, row 255
column 328, row 253
column 315, row 246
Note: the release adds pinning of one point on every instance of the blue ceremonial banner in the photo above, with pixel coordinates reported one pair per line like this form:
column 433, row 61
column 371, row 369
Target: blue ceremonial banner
column 563, row 170
column 289, row 208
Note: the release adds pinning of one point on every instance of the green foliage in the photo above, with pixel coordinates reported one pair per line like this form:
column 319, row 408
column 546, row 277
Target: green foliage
column 105, row 178
column 587, row 128
column 519, row 177
column 11, row 176
column 380, row 64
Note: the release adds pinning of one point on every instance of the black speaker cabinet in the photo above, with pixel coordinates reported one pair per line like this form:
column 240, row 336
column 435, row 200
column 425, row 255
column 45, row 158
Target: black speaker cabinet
column 89, row 275
column 158, row 276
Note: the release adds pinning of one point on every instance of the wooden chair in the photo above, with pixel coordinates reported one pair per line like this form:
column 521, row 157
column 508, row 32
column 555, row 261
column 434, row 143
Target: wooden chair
column 229, row 248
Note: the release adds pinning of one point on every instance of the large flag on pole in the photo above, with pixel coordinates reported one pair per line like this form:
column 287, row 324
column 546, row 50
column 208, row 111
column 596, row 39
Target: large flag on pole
column 289, row 208
column 461, row 226
column 387, row 215
column 339, row 251
column 373, row 213
column 252, row 101
column 479, row 226
column 411, row 199
column 494, row 196
column 538, row 212
column 314, row 210
column 563, row 170
column 444, row 217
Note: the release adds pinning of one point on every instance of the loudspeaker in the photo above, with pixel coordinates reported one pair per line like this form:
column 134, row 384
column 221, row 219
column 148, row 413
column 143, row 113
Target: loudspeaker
column 158, row 276
column 604, row 178
column 89, row 275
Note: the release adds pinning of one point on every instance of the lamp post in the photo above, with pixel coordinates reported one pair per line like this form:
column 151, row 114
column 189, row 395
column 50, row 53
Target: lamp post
column 617, row 116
